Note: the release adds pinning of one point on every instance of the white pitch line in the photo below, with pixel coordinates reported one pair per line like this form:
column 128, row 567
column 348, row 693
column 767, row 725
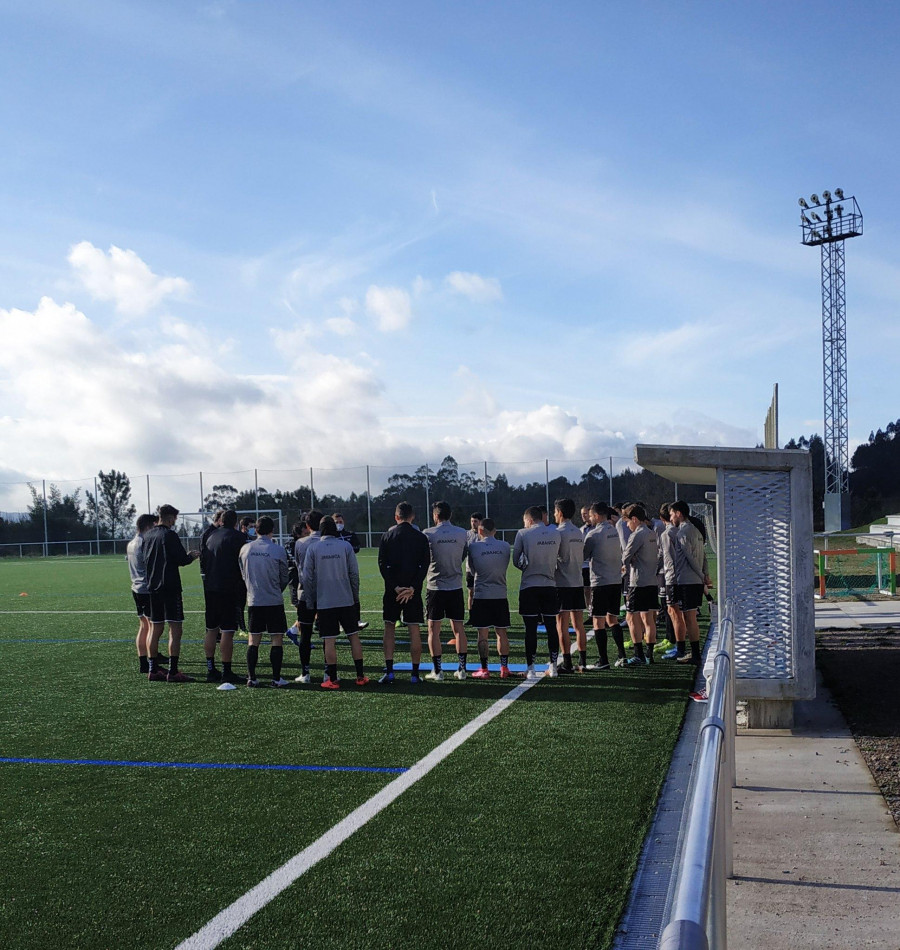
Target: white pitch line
column 225, row 923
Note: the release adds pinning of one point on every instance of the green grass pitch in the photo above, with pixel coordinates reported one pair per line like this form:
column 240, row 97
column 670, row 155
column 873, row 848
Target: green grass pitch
column 527, row 835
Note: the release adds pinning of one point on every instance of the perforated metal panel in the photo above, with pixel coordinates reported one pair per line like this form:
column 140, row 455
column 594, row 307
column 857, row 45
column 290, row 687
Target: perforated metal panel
column 758, row 571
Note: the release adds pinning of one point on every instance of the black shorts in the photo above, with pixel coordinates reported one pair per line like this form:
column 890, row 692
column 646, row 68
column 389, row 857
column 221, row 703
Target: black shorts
column 585, row 577
column 606, row 599
column 688, row 596
column 142, row 603
column 470, row 580
column 445, row 603
column 166, row 606
column 489, row 612
column 670, row 595
column 640, row 599
column 410, row 612
column 305, row 615
column 570, row 598
column 333, row 619
column 223, row 610
column 268, row 619
column 538, row 602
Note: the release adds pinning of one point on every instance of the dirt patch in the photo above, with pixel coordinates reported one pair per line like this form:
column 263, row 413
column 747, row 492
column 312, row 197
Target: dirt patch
column 862, row 670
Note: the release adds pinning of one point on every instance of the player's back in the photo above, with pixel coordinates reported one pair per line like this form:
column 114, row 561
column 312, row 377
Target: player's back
column 448, row 550
column 488, row 561
column 535, row 553
column 571, row 555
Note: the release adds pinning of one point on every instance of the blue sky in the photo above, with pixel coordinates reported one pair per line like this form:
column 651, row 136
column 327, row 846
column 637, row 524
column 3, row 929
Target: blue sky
column 273, row 234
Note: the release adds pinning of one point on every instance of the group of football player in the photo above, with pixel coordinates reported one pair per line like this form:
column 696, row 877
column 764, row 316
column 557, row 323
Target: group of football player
column 656, row 565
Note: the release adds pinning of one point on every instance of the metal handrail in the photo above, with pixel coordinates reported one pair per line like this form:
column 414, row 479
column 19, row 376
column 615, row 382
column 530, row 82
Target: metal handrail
column 698, row 919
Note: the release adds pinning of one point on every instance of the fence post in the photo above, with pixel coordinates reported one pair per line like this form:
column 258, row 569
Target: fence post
column 427, row 502
column 46, row 536
column 822, row 574
column 892, row 567
column 486, row 513
column 96, row 517
column 312, row 491
column 369, row 507
column 547, row 483
column 610, row 482
column 201, row 495
column 149, row 509
column 256, row 490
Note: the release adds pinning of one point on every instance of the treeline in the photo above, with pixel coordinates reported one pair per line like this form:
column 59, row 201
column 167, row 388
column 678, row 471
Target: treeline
column 874, row 475
column 72, row 517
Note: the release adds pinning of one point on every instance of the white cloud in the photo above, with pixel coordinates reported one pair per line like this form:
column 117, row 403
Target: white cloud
column 123, row 278
column 342, row 326
column 391, row 306
column 474, row 286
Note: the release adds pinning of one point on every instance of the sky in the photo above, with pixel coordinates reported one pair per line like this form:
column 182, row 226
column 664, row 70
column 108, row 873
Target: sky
column 276, row 235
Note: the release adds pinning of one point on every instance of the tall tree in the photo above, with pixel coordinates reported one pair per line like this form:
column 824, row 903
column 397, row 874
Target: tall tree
column 112, row 507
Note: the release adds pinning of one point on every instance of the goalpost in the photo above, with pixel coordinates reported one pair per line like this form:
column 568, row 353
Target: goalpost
column 191, row 524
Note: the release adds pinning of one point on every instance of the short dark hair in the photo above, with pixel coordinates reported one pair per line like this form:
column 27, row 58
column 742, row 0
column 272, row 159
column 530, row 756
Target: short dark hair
column 229, row 519
column 442, row 509
column 167, row 511
column 144, row 522
column 297, row 529
column 535, row 512
column 600, row 508
column 327, row 527
column 247, row 520
column 664, row 511
column 404, row 511
column 565, row 506
column 477, row 515
column 265, row 525
column 636, row 511
column 336, row 515
column 682, row 507
column 487, row 523
column 543, row 509
column 218, row 515
column 314, row 519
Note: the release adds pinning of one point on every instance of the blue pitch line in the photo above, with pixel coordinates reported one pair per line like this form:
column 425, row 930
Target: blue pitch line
column 208, row 765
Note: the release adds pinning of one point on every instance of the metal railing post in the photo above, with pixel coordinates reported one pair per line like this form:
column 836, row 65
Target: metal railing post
column 486, row 510
column 46, row 535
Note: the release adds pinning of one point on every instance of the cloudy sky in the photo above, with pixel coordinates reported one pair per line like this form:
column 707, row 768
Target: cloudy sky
column 279, row 234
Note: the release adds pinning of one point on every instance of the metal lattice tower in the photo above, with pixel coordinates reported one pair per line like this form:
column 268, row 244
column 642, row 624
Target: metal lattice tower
column 834, row 369
column 842, row 220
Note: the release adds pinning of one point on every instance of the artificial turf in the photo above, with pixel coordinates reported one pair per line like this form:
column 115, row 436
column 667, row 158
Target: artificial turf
column 527, row 834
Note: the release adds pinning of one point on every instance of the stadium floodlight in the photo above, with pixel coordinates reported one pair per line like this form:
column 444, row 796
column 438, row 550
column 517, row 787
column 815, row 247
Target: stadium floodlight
column 802, row 202
column 843, row 221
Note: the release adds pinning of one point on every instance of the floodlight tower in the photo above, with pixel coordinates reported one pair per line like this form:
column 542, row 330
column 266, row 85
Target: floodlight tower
column 842, row 219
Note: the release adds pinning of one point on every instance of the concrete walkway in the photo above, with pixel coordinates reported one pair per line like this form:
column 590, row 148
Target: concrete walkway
column 816, row 853
column 857, row 614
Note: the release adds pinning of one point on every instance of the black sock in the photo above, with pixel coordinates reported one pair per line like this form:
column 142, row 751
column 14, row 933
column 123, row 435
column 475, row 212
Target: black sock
column 360, row 672
column 618, row 636
column 276, row 655
column 331, row 672
column 531, row 625
column 173, row 664
column 252, row 658
column 695, row 652
column 639, row 650
column 144, row 664
column 305, row 645
column 552, row 637
column 567, row 660
column 388, row 666
column 210, row 664
column 415, row 668
column 226, row 666
column 461, row 658
column 483, row 653
column 680, row 648
column 436, row 661
column 582, row 657
column 152, row 664
column 504, row 659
